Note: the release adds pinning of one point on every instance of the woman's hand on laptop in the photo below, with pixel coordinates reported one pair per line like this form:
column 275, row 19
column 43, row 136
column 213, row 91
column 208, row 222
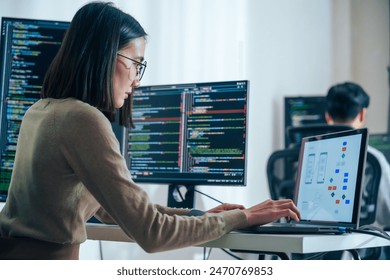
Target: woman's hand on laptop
column 271, row 210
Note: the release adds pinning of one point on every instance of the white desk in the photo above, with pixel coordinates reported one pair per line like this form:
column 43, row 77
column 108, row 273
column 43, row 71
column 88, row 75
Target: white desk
column 279, row 243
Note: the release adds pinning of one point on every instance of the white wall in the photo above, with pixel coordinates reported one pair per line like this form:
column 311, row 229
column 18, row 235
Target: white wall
column 283, row 47
column 370, row 53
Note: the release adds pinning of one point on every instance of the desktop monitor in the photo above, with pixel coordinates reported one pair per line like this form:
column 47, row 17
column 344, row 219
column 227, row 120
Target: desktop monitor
column 27, row 48
column 303, row 110
column 381, row 141
column 189, row 134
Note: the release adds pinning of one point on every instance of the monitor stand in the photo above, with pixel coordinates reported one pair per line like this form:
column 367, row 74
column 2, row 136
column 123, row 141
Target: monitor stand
column 181, row 196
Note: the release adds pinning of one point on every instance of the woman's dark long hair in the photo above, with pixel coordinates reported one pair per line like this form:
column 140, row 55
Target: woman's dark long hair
column 84, row 66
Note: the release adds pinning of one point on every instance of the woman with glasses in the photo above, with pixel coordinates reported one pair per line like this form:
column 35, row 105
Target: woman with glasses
column 69, row 167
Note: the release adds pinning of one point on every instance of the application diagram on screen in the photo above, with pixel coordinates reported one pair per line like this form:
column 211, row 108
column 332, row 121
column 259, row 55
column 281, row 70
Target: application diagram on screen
column 328, row 180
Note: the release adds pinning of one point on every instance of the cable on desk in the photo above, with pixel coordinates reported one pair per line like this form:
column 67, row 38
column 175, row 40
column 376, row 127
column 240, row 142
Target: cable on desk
column 316, row 256
column 232, row 255
column 206, row 257
column 372, row 230
column 202, row 193
column 101, row 249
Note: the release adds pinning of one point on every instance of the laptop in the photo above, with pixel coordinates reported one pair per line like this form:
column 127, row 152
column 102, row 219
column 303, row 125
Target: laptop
column 328, row 186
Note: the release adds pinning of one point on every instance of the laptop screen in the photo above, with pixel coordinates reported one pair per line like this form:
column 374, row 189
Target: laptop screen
column 329, row 178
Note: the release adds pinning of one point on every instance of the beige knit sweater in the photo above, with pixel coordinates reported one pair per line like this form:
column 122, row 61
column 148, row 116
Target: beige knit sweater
column 68, row 167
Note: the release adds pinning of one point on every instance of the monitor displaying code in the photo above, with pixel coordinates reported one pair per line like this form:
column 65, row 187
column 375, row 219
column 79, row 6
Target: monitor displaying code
column 190, row 134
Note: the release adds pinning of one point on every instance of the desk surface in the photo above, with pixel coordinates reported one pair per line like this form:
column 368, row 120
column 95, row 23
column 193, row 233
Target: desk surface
column 283, row 243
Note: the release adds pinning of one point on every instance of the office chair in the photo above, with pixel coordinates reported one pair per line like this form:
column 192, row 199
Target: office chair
column 295, row 134
column 281, row 173
column 372, row 176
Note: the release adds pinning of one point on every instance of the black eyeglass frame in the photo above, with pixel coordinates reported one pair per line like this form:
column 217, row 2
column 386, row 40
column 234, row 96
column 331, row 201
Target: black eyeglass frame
column 141, row 66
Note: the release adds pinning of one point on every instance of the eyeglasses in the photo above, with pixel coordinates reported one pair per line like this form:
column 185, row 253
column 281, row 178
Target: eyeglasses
column 140, row 66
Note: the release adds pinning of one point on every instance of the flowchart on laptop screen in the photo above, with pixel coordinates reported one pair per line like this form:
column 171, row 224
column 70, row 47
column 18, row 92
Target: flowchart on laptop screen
column 329, row 175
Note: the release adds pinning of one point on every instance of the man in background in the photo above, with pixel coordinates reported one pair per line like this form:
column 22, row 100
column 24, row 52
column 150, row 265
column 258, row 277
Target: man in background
column 347, row 103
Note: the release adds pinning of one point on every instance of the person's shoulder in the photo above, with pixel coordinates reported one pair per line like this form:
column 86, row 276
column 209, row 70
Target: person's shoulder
column 75, row 109
column 374, row 151
column 76, row 105
column 72, row 113
column 378, row 154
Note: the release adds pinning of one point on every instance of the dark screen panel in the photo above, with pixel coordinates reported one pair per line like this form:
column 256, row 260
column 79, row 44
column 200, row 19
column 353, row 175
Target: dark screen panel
column 190, row 134
column 381, row 141
column 303, row 110
column 27, row 48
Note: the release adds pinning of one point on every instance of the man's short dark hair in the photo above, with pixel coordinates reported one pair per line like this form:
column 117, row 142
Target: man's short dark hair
column 345, row 101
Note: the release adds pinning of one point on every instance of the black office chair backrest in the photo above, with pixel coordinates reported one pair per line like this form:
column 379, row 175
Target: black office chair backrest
column 281, row 173
column 371, row 183
column 282, row 170
column 294, row 135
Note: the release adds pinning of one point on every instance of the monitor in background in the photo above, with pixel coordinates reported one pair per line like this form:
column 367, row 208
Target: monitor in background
column 188, row 135
column 27, row 48
column 303, row 110
column 381, row 141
